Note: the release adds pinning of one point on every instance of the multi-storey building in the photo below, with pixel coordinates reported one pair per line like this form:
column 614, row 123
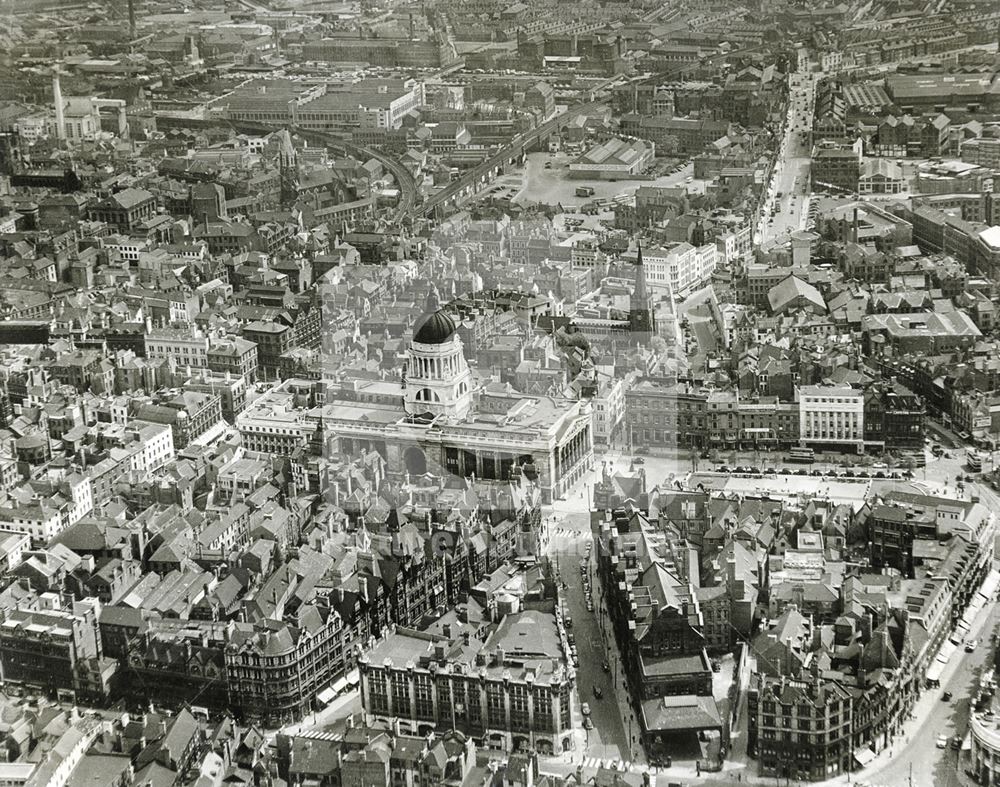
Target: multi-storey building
column 434, row 420
column 183, row 346
column 679, row 269
column 837, row 169
column 123, row 210
column 803, row 727
column 271, row 341
column 661, row 412
column 49, row 646
column 894, row 417
column 274, row 427
column 831, row 415
column 322, row 106
column 656, row 615
column 805, row 722
column 509, row 685
column 233, row 356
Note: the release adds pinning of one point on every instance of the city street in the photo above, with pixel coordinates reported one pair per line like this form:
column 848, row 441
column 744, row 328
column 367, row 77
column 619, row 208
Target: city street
column 790, row 177
column 607, row 741
column 934, row 767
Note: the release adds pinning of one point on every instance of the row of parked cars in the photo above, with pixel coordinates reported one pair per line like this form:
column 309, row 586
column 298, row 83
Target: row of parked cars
column 845, row 473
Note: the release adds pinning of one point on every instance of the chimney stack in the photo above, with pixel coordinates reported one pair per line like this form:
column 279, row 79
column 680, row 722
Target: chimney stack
column 57, row 99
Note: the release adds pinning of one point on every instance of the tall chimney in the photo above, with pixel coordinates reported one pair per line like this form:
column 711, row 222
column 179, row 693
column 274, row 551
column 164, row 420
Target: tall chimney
column 58, row 101
column 131, row 19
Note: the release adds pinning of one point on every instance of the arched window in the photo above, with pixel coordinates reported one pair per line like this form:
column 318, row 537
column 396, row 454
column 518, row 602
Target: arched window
column 427, row 395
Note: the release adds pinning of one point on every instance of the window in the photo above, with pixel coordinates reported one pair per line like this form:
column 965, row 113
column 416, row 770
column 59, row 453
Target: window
column 496, row 712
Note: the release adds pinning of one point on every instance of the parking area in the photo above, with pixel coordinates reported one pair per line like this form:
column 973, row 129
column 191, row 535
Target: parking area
column 546, row 180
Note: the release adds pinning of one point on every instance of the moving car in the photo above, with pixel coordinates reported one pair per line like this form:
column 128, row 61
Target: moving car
column 606, row 667
column 597, row 692
column 970, row 646
column 946, row 697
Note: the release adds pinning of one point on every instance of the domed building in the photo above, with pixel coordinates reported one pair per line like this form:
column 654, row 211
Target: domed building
column 438, row 379
column 433, row 418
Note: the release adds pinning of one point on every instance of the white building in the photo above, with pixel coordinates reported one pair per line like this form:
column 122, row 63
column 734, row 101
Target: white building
column 273, row 427
column 734, row 246
column 831, row 415
column 157, row 441
column 679, row 269
column 186, row 348
column 832, row 62
column 32, row 128
column 609, row 410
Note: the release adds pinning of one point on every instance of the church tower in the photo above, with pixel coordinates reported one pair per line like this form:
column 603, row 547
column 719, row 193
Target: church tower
column 641, row 317
column 438, row 379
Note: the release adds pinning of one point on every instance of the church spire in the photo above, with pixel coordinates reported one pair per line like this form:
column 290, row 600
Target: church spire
column 433, row 301
column 640, row 297
column 641, row 316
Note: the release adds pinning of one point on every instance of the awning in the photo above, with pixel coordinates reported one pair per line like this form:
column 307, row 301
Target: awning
column 863, row 756
column 339, row 685
column 967, row 741
column 943, row 656
column 990, row 585
column 326, row 696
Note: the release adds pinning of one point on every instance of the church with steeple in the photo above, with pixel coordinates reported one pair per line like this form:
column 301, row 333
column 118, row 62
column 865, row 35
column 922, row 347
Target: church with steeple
column 641, row 313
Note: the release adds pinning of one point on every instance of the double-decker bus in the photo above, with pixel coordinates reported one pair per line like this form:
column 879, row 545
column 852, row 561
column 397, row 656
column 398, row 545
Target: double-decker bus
column 802, row 455
column 974, row 461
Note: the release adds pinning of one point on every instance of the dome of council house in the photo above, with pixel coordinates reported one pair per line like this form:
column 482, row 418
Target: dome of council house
column 437, row 328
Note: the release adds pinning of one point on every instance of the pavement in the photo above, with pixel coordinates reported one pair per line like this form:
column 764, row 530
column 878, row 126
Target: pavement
column 790, row 175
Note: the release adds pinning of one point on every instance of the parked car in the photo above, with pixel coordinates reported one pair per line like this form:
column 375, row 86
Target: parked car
column 946, row 697
column 970, row 646
column 585, row 709
column 956, row 742
column 942, row 741
column 606, row 667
